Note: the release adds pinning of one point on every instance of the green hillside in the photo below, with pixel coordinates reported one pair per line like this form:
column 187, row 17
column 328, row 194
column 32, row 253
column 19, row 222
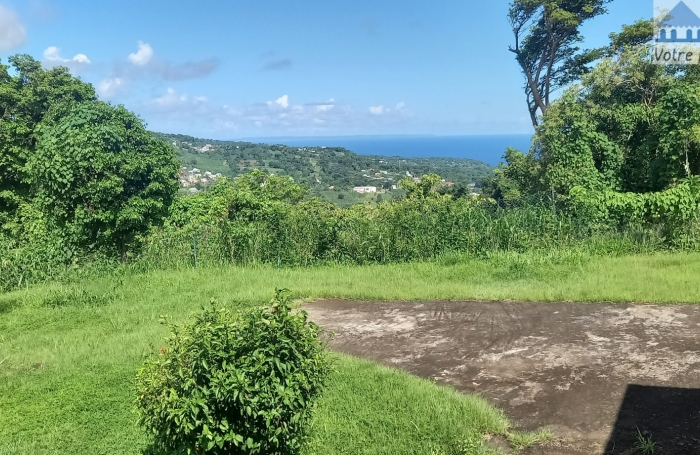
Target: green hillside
column 320, row 168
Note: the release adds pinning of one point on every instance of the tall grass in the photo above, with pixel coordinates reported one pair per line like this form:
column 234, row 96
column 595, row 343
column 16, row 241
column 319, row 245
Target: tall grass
column 406, row 231
column 26, row 264
column 314, row 233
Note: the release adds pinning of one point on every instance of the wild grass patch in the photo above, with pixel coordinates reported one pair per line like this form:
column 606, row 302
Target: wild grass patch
column 525, row 440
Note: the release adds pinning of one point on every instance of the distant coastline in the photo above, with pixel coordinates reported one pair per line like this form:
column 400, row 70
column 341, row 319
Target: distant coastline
column 486, row 148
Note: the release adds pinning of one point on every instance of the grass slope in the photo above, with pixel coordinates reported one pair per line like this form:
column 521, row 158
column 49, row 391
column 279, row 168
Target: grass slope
column 69, row 352
column 370, row 409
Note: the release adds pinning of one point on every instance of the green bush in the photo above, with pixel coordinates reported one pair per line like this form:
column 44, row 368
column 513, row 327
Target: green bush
column 100, row 178
column 242, row 383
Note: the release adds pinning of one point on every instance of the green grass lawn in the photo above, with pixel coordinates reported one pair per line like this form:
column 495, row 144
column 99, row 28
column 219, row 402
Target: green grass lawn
column 69, row 352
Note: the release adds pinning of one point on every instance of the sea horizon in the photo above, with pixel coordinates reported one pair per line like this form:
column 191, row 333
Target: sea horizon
column 488, row 148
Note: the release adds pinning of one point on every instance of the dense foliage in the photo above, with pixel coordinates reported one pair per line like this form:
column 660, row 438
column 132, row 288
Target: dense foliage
column 101, row 179
column 238, row 223
column 241, row 383
column 25, row 99
column 77, row 176
column 624, row 143
column 630, row 126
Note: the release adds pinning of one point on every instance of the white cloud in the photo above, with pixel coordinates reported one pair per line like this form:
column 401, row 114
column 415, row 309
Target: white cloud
column 326, row 107
column 52, row 58
column 400, row 106
column 81, row 58
column 197, row 115
column 377, row 110
column 169, row 99
column 143, row 56
column 110, row 87
column 12, row 32
column 53, row 54
column 143, row 64
column 283, row 101
column 173, row 99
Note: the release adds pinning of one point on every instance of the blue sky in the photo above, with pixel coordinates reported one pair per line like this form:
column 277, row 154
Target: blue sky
column 261, row 68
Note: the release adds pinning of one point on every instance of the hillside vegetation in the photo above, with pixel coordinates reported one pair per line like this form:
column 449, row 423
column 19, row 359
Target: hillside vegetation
column 319, row 168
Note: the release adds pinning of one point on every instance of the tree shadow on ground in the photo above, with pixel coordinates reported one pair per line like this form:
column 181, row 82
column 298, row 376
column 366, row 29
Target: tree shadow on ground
column 670, row 417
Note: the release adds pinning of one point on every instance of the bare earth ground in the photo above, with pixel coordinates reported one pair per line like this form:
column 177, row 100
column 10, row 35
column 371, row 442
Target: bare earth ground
column 591, row 373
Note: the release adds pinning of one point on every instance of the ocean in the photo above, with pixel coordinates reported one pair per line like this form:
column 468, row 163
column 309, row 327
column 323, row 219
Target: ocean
column 488, row 149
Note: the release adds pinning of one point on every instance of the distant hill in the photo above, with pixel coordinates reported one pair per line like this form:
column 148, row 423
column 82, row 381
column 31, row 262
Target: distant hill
column 318, row 167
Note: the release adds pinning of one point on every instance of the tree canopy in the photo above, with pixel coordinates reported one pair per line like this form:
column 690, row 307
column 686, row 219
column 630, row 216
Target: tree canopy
column 547, row 34
column 88, row 172
column 629, row 125
column 100, row 176
column 27, row 93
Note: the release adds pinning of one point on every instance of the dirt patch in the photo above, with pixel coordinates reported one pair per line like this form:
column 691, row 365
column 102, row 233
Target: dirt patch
column 591, row 373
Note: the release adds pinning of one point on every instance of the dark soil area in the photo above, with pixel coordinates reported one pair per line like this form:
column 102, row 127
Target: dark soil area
column 591, row 373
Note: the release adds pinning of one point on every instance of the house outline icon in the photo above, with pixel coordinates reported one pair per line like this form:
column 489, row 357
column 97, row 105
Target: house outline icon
column 681, row 25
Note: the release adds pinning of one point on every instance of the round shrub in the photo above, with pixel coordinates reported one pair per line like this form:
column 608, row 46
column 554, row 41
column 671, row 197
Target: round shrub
column 234, row 382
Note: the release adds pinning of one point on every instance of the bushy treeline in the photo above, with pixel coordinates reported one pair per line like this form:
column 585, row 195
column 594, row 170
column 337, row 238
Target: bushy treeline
column 626, row 137
column 78, row 177
column 260, row 219
column 622, row 144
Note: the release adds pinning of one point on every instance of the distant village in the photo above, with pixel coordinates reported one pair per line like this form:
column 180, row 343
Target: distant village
column 194, row 179
column 383, row 176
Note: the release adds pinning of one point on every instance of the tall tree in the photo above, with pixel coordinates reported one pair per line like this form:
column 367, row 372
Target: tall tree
column 27, row 92
column 623, row 127
column 546, row 37
column 100, row 177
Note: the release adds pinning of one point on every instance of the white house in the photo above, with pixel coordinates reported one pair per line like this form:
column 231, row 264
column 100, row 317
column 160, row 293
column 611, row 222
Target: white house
column 365, row 189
